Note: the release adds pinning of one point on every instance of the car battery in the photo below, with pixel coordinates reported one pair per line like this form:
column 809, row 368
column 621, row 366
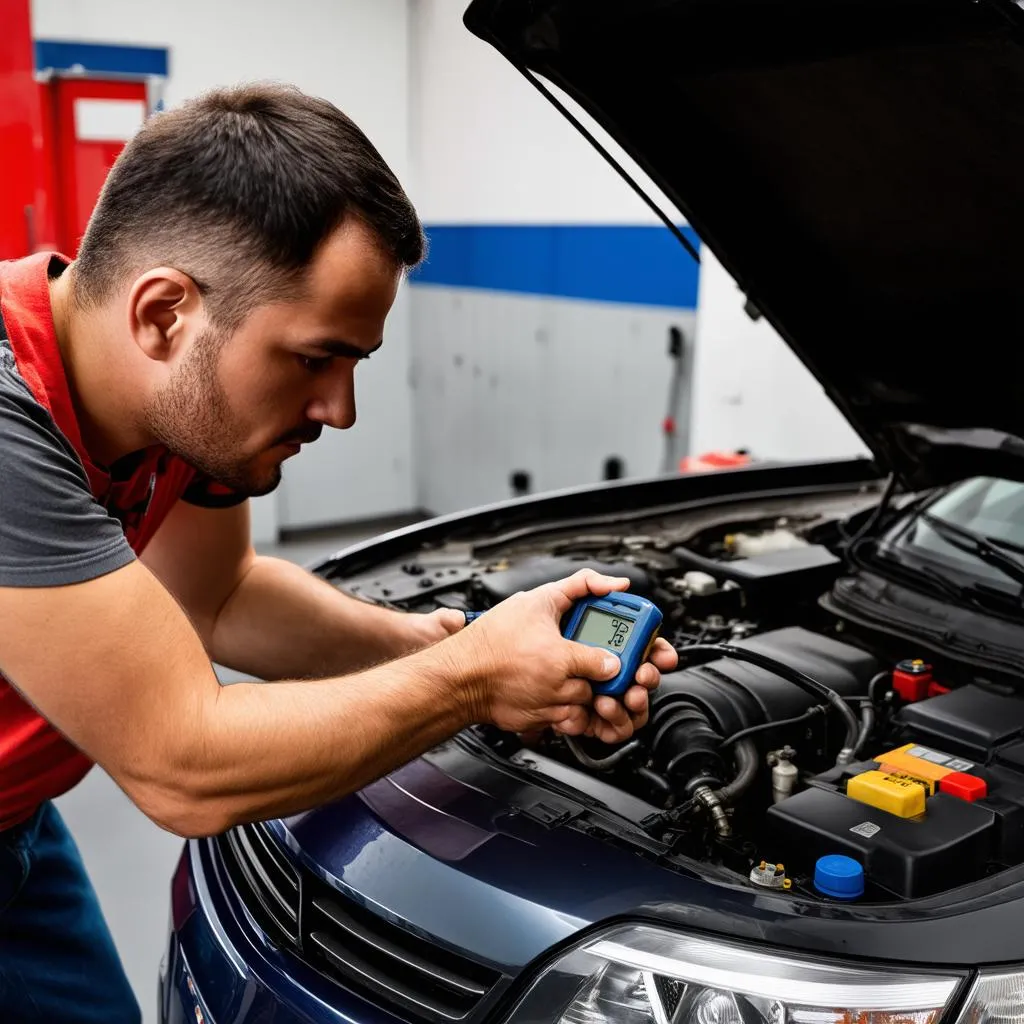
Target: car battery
column 951, row 844
column 919, row 820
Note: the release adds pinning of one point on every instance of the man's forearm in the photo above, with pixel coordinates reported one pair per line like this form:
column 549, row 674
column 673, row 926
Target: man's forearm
column 272, row 749
column 283, row 622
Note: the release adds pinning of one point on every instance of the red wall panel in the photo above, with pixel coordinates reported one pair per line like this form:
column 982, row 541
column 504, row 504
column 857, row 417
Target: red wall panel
column 20, row 127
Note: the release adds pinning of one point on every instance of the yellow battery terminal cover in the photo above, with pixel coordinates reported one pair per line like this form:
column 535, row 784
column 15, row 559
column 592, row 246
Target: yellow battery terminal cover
column 922, row 763
column 929, row 784
column 897, row 794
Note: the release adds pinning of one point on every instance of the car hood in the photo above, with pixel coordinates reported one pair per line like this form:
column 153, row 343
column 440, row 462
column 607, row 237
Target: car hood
column 450, row 860
column 856, row 165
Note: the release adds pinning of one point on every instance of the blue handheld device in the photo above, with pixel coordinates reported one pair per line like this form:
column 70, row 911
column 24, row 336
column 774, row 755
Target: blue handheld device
column 625, row 624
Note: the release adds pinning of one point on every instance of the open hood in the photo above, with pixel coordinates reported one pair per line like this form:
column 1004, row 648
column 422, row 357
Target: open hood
column 856, row 165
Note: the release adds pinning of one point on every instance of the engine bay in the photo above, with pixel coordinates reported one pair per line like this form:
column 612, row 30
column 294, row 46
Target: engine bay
column 789, row 736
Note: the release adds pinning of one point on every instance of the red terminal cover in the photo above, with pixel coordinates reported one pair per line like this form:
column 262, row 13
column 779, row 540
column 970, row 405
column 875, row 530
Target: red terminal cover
column 963, row 786
column 911, row 680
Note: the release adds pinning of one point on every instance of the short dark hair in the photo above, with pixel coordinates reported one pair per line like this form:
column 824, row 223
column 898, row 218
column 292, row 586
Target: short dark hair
column 238, row 188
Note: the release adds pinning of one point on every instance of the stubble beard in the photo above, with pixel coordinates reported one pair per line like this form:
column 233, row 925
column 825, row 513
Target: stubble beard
column 192, row 418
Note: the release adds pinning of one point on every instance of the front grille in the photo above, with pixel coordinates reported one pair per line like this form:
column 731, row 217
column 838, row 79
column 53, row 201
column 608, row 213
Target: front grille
column 359, row 947
column 265, row 880
column 353, row 946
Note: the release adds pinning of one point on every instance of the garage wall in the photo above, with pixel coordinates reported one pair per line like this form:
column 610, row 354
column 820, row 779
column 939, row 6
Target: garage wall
column 519, row 362
column 355, row 53
column 751, row 391
column 506, row 379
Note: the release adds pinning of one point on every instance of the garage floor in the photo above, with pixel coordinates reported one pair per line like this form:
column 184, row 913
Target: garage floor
column 129, row 859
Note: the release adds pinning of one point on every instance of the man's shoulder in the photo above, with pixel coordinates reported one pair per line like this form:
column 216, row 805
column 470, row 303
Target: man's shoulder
column 52, row 531
column 18, row 403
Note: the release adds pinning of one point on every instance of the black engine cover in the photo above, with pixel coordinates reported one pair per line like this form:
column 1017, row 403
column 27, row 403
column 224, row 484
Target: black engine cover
column 971, row 721
column 734, row 695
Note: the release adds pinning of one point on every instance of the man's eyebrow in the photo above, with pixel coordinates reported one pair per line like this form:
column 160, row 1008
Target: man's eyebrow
column 344, row 349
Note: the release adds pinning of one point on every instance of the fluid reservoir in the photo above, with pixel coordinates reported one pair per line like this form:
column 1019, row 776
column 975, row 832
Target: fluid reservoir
column 784, row 773
column 839, row 877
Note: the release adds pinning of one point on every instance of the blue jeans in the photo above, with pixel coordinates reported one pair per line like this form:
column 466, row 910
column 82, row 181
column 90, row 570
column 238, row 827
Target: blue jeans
column 57, row 958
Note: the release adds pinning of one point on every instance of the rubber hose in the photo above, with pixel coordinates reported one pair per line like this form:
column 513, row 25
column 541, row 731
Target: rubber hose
column 746, row 758
column 867, row 716
column 791, row 675
column 873, row 685
column 600, row 763
column 658, row 781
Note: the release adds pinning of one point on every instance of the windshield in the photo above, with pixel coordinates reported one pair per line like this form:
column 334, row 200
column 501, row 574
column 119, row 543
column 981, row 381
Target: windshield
column 992, row 509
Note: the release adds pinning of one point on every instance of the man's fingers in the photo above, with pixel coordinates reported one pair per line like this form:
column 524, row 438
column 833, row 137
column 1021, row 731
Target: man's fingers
column 614, row 721
column 608, row 733
column 582, row 584
column 451, row 619
column 639, row 720
column 593, row 663
column 636, row 701
column 648, row 676
column 576, row 691
column 612, row 711
column 663, row 656
column 570, row 719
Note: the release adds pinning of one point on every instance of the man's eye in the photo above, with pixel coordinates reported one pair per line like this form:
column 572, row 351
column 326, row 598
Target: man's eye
column 316, row 364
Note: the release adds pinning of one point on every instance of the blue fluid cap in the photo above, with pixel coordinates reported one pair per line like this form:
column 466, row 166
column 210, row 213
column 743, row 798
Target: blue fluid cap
column 840, row 877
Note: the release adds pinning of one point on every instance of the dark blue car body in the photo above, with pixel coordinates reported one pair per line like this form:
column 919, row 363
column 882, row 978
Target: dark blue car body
column 455, row 880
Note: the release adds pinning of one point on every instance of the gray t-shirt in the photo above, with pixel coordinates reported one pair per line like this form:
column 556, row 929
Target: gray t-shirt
column 53, row 532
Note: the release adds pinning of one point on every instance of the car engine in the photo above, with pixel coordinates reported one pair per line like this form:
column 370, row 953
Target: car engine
column 786, row 735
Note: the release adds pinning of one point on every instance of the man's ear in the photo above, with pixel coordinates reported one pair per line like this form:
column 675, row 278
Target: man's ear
column 163, row 304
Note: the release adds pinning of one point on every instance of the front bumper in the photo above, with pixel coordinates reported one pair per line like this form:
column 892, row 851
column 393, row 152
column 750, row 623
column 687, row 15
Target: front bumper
column 215, row 969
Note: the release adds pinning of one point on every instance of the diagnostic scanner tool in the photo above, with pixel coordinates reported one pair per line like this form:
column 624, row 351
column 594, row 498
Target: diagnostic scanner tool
column 625, row 624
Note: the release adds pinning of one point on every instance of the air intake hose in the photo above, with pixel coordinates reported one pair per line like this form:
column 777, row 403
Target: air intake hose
column 688, row 747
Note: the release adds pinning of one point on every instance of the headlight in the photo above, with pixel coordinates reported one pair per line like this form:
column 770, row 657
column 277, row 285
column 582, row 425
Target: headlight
column 996, row 998
column 647, row 975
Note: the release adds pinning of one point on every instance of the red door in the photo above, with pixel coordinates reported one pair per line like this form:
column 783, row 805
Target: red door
column 90, row 120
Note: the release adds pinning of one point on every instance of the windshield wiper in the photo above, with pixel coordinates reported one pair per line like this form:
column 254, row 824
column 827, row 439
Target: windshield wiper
column 960, row 592
column 976, row 544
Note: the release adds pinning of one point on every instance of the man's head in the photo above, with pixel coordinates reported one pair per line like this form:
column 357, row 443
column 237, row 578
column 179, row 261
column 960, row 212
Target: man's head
column 255, row 240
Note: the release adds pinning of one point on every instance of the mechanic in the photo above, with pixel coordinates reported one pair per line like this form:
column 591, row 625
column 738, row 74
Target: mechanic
column 241, row 261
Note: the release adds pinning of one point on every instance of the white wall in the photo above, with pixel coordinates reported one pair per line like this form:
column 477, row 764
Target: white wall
column 488, row 148
column 550, row 387
column 507, row 381
column 355, row 53
column 750, row 390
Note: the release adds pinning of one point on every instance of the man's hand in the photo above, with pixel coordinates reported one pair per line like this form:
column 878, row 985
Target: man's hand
column 432, row 628
column 532, row 677
column 612, row 720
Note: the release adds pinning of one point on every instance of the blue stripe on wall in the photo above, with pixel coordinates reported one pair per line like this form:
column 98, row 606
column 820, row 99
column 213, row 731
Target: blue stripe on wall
column 93, row 57
column 638, row 265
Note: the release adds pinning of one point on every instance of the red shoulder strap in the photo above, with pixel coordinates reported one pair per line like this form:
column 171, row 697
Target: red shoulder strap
column 28, row 318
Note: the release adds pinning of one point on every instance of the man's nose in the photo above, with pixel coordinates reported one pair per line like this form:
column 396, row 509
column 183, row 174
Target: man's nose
column 335, row 406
